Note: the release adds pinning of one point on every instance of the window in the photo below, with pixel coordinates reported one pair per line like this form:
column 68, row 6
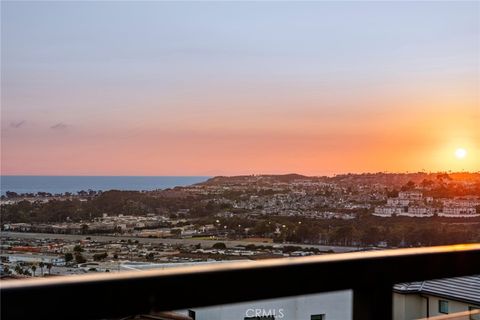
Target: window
column 442, row 306
column 317, row 317
column 475, row 316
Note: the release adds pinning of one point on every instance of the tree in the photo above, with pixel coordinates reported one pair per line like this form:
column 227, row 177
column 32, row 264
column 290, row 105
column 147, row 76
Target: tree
column 79, row 258
column 68, row 257
column 78, row 248
column 33, row 268
column 49, row 267
column 176, row 232
column 263, row 228
column 6, row 269
column 371, row 235
column 219, row 246
column 427, row 183
column 392, row 193
column 41, row 265
column 11, row 194
column 306, row 232
column 150, row 256
column 100, row 256
column 18, row 269
column 443, row 176
column 410, row 185
column 344, row 235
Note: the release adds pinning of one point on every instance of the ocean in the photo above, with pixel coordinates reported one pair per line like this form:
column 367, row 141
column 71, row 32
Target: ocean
column 73, row 184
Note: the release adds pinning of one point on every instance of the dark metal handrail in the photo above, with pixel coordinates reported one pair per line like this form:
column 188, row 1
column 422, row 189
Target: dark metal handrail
column 370, row 274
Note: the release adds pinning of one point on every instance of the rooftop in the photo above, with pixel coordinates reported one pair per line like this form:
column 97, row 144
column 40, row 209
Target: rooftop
column 466, row 289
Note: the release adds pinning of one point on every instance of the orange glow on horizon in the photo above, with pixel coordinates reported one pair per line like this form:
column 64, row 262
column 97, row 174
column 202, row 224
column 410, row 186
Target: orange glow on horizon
column 209, row 91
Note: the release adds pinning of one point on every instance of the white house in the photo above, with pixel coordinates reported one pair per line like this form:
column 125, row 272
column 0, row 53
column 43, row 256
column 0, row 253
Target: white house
column 35, row 258
column 398, row 202
column 415, row 195
column 387, row 211
column 437, row 297
column 418, row 211
column 459, row 211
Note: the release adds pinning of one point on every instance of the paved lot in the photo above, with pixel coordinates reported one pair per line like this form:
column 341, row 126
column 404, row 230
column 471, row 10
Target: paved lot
column 187, row 241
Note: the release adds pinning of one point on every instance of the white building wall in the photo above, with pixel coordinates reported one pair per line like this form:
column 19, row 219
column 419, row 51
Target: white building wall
column 459, row 210
column 56, row 261
column 453, row 306
column 335, row 305
column 408, row 307
column 412, row 195
column 414, row 306
column 398, row 202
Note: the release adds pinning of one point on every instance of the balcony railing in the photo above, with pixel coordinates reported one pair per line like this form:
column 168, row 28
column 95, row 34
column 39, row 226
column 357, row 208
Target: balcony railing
column 370, row 275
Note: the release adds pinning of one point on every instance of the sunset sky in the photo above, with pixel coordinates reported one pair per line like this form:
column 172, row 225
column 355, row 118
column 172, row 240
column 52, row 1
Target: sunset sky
column 210, row 88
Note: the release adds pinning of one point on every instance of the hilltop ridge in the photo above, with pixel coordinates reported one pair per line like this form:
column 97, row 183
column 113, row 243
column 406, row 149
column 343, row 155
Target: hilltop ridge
column 378, row 177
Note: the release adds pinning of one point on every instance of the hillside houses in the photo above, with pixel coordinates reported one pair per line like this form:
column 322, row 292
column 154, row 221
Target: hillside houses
column 414, row 204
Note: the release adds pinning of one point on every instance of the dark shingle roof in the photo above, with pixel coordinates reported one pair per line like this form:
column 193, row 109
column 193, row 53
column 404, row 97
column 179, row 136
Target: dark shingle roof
column 466, row 289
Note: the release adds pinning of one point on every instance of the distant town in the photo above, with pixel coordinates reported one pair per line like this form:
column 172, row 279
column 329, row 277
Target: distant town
column 234, row 218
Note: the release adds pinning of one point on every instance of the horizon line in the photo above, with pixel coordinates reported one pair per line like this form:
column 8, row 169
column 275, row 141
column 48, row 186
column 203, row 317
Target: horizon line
column 244, row 174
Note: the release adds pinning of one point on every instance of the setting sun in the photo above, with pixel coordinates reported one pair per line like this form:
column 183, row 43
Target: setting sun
column 460, row 153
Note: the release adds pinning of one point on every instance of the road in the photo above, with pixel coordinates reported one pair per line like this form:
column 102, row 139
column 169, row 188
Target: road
column 186, row 241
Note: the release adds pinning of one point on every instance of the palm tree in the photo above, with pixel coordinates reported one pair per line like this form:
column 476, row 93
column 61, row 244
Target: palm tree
column 33, row 268
column 49, row 267
column 7, row 270
column 41, row 265
column 18, row 269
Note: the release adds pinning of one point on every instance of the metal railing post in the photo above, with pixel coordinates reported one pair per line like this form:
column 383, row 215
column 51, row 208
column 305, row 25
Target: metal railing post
column 373, row 303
